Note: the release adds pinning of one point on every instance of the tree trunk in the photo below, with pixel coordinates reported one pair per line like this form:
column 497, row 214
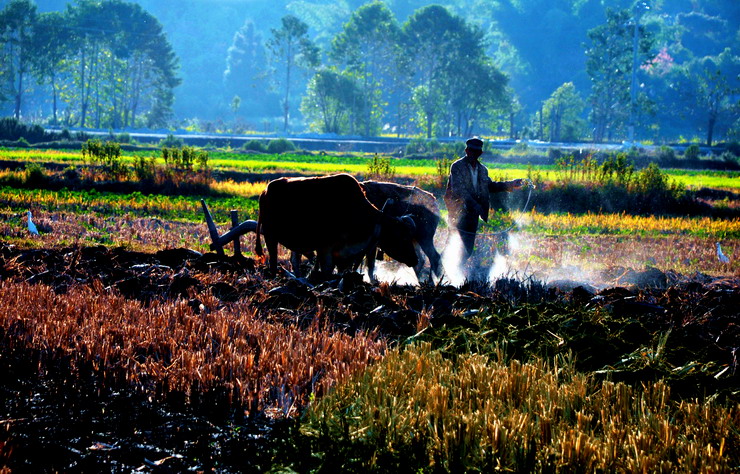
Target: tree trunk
column 710, row 127
column 511, row 126
column 286, row 104
column 83, row 100
column 136, row 88
column 398, row 120
column 19, row 94
column 54, row 97
column 542, row 132
column 97, row 103
column 368, row 109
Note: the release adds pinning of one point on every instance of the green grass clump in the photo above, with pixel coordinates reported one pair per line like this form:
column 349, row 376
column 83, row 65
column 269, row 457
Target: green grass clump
column 255, row 145
column 280, row 145
column 418, row 411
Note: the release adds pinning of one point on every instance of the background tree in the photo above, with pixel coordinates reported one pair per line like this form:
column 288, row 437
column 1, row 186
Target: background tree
column 714, row 82
column 609, row 65
column 86, row 19
column 17, row 21
column 504, row 118
column 428, row 103
column 457, row 84
column 291, row 48
column 236, row 103
column 333, row 100
column 51, row 45
column 108, row 76
column 431, row 36
column 121, row 65
column 247, row 71
column 150, row 67
column 476, row 91
column 562, row 114
column 368, row 47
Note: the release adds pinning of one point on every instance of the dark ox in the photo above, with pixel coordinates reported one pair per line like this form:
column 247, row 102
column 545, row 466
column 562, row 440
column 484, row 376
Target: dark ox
column 331, row 217
column 421, row 206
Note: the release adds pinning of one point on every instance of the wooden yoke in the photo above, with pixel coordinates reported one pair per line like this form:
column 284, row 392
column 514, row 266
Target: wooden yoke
column 237, row 230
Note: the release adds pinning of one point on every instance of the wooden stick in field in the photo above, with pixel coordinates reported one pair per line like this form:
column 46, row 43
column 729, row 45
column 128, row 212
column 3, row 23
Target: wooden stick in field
column 212, row 230
column 235, row 224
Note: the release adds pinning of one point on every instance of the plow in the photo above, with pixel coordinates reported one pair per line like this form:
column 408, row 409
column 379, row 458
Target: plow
column 238, row 229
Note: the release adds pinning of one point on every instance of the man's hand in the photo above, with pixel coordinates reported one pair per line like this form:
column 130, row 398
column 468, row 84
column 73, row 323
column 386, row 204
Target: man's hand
column 517, row 184
column 473, row 207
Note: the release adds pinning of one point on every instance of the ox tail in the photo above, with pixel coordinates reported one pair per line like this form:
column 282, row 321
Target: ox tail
column 258, row 242
column 258, row 230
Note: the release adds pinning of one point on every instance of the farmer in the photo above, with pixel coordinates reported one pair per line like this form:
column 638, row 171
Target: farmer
column 468, row 192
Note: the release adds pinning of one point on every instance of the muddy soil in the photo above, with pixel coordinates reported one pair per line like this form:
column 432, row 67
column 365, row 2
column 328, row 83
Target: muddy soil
column 51, row 423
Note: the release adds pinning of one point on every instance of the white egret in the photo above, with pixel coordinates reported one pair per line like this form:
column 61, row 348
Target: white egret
column 31, row 226
column 721, row 256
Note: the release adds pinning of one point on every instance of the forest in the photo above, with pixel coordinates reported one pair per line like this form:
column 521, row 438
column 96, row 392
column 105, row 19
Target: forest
column 567, row 70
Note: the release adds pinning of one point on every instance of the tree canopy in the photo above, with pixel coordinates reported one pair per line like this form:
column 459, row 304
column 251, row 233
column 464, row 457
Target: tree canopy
column 652, row 69
column 108, row 62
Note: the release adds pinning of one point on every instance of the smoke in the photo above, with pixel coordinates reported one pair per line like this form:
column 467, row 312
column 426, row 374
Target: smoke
column 394, row 273
column 556, row 260
column 452, row 260
column 511, row 255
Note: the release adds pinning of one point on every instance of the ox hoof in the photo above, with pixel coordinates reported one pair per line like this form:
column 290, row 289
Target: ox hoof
column 350, row 281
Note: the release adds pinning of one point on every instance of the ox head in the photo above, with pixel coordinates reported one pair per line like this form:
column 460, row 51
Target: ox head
column 396, row 239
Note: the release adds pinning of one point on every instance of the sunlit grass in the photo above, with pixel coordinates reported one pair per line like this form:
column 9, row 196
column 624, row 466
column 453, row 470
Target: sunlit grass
column 243, row 189
column 626, row 224
column 26, row 154
column 418, row 409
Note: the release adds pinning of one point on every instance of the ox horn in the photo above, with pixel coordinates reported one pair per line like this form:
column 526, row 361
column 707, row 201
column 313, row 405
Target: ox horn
column 409, row 222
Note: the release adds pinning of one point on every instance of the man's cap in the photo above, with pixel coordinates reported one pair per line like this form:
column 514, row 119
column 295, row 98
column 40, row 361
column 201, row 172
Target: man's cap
column 474, row 143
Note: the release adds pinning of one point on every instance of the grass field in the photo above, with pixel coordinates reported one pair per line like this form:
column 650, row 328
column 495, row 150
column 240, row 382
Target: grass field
column 552, row 245
column 357, row 164
column 562, row 361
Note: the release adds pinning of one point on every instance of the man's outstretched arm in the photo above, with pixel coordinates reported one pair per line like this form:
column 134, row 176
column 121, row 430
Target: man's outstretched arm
column 505, row 186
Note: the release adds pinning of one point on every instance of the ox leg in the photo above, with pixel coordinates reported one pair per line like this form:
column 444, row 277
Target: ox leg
column 272, row 253
column 435, row 260
column 370, row 262
column 323, row 267
column 295, row 263
column 419, row 268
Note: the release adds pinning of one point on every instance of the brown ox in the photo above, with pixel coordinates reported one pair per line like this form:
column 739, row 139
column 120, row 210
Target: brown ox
column 332, row 217
column 421, row 206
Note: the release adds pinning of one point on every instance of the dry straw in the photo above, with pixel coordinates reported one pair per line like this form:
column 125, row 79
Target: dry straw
column 480, row 414
column 165, row 348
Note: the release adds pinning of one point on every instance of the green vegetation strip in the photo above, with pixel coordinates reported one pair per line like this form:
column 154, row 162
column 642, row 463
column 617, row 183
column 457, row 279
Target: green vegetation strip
column 706, row 179
column 180, row 208
column 357, row 164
